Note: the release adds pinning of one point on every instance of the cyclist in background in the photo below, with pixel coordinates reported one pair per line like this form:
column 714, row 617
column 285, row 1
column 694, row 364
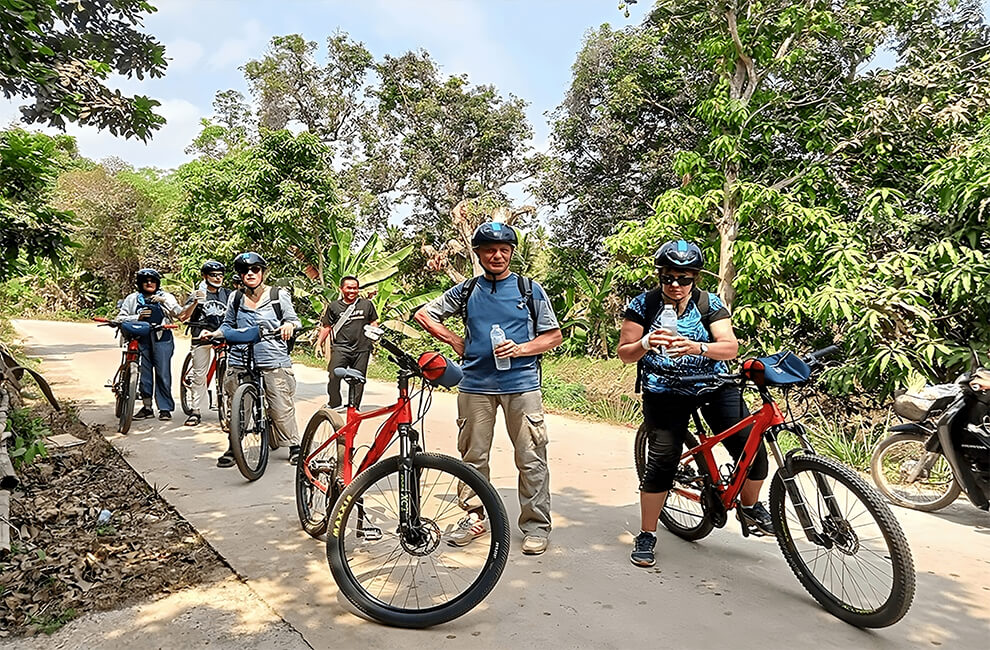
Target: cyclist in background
column 149, row 303
column 271, row 309
column 207, row 304
column 703, row 342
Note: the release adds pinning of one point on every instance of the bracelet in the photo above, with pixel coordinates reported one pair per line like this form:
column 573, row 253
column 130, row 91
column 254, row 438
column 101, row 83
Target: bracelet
column 645, row 342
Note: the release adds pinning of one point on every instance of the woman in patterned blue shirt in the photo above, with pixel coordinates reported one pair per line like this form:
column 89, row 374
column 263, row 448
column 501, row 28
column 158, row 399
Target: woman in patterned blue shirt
column 702, row 345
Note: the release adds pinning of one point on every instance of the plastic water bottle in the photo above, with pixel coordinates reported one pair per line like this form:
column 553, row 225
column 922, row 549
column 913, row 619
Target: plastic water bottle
column 498, row 337
column 668, row 322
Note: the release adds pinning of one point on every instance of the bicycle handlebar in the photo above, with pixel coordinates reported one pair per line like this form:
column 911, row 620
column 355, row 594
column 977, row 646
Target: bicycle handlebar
column 106, row 322
column 813, row 359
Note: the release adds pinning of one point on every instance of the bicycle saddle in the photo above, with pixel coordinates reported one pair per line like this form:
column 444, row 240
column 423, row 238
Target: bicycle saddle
column 349, row 375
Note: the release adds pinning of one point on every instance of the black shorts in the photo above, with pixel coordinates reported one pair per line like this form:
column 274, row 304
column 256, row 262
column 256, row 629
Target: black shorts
column 667, row 415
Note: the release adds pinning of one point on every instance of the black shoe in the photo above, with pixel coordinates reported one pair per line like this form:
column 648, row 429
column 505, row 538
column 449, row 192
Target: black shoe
column 757, row 519
column 144, row 413
column 643, row 554
column 164, row 415
column 227, row 460
column 293, row 454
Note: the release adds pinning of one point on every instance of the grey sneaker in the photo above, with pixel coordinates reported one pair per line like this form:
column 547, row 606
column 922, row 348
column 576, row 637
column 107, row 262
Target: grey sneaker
column 643, row 554
column 757, row 519
column 468, row 529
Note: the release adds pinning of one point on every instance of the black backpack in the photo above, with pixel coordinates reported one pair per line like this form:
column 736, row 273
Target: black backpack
column 276, row 305
column 654, row 303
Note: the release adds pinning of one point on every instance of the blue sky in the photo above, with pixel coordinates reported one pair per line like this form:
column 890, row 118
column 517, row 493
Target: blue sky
column 522, row 47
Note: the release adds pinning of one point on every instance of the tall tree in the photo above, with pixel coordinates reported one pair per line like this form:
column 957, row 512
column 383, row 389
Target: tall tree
column 60, row 54
column 31, row 227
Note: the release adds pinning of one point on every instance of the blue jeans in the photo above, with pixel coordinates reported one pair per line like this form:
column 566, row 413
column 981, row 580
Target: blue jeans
column 156, row 371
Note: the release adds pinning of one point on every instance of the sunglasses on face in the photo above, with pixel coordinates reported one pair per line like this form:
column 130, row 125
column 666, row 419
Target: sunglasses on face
column 255, row 269
column 214, row 275
column 680, row 281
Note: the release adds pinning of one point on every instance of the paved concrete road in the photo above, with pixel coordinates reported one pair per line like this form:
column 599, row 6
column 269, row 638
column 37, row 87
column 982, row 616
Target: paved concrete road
column 723, row 591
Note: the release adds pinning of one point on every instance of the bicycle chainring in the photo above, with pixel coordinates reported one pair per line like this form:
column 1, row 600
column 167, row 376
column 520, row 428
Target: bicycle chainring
column 712, row 504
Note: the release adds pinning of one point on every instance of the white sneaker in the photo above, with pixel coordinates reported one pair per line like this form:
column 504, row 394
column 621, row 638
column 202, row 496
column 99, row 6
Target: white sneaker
column 468, row 529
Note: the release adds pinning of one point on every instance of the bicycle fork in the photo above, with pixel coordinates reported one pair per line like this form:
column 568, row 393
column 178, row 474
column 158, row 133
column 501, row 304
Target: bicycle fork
column 785, row 469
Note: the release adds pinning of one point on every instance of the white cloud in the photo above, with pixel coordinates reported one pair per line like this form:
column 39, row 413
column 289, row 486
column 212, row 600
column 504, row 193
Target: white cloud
column 184, row 55
column 234, row 52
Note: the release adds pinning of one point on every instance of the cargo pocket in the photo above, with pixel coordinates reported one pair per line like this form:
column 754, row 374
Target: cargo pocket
column 537, row 429
column 462, row 436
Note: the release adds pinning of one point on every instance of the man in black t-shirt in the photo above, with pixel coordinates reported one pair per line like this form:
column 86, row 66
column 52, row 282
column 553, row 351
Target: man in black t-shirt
column 343, row 323
column 207, row 304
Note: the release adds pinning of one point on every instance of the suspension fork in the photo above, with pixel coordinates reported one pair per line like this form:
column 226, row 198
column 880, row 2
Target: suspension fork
column 409, row 506
column 785, row 469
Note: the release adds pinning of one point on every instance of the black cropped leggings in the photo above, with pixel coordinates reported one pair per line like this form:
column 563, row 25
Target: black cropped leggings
column 667, row 416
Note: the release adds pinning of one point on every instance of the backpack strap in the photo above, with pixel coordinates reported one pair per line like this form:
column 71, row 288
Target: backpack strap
column 469, row 286
column 238, row 297
column 702, row 299
column 276, row 305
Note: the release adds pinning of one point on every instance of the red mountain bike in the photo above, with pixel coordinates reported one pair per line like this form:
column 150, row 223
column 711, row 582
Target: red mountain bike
column 216, row 371
column 836, row 532
column 125, row 382
column 386, row 528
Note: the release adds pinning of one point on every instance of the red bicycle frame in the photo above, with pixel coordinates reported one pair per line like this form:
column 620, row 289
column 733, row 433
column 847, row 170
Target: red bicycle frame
column 768, row 416
column 401, row 414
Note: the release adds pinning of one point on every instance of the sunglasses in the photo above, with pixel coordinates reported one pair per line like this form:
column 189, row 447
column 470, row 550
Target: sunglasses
column 681, row 281
column 255, row 269
column 215, row 275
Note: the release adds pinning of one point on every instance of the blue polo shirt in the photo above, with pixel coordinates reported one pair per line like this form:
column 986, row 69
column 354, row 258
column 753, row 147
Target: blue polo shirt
column 489, row 303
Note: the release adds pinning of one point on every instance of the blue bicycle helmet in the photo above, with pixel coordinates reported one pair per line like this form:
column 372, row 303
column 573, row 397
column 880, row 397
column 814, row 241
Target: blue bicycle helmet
column 494, row 233
column 679, row 254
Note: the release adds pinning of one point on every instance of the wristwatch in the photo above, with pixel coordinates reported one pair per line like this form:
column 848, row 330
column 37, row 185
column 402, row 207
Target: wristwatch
column 704, row 349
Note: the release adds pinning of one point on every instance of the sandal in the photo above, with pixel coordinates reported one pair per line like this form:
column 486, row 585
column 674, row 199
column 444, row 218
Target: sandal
column 227, row 460
column 193, row 420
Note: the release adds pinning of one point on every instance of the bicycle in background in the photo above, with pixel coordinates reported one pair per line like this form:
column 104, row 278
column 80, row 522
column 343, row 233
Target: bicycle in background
column 215, row 373
column 127, row 378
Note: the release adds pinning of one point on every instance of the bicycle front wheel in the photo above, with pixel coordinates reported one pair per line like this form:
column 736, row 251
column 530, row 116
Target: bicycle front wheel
column 857, row 564
column 218, row 378
column 312, row 502
column 683, row 512
column 127, row 397
column 248, row 433
column 911, row 476
column 185, row 385
column 411, row 576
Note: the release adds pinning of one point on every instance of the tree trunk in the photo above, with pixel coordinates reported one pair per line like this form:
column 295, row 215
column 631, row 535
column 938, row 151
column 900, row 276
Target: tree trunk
column 728, row 230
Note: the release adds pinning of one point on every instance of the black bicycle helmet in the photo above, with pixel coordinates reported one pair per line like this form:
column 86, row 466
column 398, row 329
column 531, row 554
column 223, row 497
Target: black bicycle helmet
column 212, row 266
column 244, row 261
column 679, row 254
column 147, row 274
column 494, row 233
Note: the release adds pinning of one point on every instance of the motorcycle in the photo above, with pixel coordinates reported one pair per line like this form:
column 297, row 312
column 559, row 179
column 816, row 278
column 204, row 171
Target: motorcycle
column 942, row 451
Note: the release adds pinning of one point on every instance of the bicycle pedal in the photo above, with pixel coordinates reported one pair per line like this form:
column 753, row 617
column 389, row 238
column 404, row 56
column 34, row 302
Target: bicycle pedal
column 369, row 533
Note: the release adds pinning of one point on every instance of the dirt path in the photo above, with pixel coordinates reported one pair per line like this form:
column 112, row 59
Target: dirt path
column 725, row 590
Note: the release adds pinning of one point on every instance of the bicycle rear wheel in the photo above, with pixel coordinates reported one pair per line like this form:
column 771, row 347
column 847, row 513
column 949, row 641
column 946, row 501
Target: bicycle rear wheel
column 127, row 397
column 414, row 578
column 859, row 567
column 683, row 512
column 904, row 454
column 185, row 385
column 248, row 433
column 312, row 503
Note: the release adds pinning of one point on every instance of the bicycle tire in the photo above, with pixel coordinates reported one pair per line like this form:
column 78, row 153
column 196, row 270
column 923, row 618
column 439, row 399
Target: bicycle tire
column 185, row 385
column 119, row 398
column 129, row 384
column 247, row 432
column 899, row 454
column 683, row 512
column 367, row 494
column 847, row 540
column 218, row 379
column 309, row 498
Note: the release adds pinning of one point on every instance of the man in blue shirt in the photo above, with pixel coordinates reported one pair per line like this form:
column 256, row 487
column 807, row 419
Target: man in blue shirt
column 522, row 310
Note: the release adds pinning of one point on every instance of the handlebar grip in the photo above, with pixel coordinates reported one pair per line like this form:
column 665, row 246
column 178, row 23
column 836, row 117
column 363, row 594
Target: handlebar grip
column 101, row 319
column 824, row 352
column 170, row 326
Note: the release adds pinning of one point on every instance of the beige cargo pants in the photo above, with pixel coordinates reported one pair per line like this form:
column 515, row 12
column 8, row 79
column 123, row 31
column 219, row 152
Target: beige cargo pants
column 523, row 414
column 280, row 393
